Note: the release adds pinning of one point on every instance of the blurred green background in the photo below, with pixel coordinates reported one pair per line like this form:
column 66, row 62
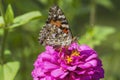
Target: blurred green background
column 95, row 22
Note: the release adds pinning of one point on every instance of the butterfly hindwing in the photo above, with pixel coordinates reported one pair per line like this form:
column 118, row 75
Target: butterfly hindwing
column 56, row 31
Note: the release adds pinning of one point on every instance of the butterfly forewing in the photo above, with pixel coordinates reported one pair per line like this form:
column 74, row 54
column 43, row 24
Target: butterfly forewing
column 56, row 31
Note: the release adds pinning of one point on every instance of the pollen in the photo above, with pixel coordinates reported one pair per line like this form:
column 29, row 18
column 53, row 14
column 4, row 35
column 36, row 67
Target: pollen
column 75, row 53
column 69, row 59
column 57, row 23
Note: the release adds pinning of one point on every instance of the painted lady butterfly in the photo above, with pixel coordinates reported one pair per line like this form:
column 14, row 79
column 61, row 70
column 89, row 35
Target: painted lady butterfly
column 56, row 31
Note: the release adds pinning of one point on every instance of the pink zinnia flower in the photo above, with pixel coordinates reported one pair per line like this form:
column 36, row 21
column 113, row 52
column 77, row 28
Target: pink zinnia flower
column 73, row 63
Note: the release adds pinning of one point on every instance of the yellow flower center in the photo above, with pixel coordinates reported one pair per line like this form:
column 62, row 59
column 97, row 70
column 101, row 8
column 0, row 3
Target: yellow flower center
column 75, row 53
column 68, row 59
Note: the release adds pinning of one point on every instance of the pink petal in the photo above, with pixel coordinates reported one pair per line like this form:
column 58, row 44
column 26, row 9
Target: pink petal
column 71, row 68
column 35, row 78
column 91, row 72
column 84, row 66
column 49, row 49
column 63, row 75
column 37, row 72
column 93, row 63
column 38, row 62
column 91, row 57
column 85, row 47
column 48, row 65
column 73, row 46
column 57, row 72
column 46, row 56
column 80, row 72
column 89, row 64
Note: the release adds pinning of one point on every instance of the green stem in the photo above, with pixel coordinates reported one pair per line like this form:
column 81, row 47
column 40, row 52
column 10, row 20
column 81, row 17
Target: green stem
column 4, row 34
column 92, row 12
column 3, row 45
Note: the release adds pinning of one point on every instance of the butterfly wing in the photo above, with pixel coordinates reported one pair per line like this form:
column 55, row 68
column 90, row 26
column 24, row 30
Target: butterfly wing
column 56, row 31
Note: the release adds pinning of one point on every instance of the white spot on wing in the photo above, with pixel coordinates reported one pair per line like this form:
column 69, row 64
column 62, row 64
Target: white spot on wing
column 59, row 30
column 65, row 26
column 61, row 16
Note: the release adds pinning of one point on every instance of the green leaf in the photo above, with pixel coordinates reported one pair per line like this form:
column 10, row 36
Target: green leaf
column 43, row 1
column 1, row 22
column 106, row 3
column 7, row 52
column 25, row 18
column 96, row 35
column 9, row 15
column 9, row 70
